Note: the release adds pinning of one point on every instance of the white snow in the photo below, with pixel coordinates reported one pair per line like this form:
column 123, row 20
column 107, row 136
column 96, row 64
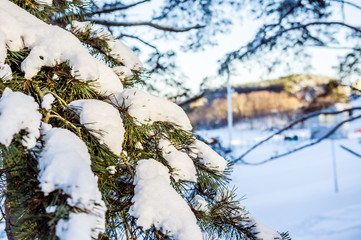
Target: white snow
column 180, row 162
column 19, row 112
column 297, row 193
column 5, row 72
column 102, row 120
column 64, row 165
column 75, row 227
column 157, row 203
column 118, row 50
column 260, row 230
column 122, row 72
column 81, row 26
column 51, row 209
column 112, row 169
column 50, row 45
column 148, row 109
column 200, row 204
column 45, row 2
column 208, row 156
column 48, row 100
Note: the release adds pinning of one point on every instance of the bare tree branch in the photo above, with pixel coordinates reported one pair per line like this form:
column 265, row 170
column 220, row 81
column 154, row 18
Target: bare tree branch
column 157, row 53
column 265, row 41
column 191, row 99
column 350, row 151
column 139, row 39
column 150, row 24
column 104, row 9
column 334, row 129
column 303, row 118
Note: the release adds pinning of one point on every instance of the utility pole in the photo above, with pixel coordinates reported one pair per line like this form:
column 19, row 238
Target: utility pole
column 229, row 110
column 334, row 165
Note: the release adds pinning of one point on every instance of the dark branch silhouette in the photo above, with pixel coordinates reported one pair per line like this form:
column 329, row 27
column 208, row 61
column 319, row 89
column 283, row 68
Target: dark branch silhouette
column 305, row 117
column 350, row 151
column 252, row 47
column 106, row 9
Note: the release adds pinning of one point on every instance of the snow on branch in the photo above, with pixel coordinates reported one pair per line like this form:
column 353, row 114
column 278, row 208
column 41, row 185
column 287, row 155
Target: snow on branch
column 118, row 50
column 182, row 164
column 64, row 165
column 50, row 45
column 208, row 157
column 157, row 204
column 102, row 120
column 260, row 231
column 19, row 111
column 149, row 24
column 148, row 109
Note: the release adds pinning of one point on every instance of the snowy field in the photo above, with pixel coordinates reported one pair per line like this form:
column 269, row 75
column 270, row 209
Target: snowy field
column 297, row 193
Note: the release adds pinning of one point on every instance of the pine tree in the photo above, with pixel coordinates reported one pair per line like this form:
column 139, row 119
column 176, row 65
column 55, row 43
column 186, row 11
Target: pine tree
column 86, row 155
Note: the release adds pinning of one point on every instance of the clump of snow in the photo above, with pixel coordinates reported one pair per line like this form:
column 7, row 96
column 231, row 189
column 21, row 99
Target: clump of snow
column 48, row 100
column 44, row 127
column 112, row 169
column 118, row 50
column 208, row 156
column 50, row 45
column 51, row 209
column 200, row 204
column 260, row 230
column 19, row 112
column 5, row 72
column 182, row 164
column 102, row 120
column 45, row 2
column 148, row 109
column 81, row 27
column 65, row 165
column 76, row 226
column 3, row 51
column 122, row 72
column 157, row 203
column 222, row 195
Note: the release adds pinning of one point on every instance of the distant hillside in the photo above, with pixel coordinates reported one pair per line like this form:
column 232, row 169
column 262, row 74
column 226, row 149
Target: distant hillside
column 286, row 97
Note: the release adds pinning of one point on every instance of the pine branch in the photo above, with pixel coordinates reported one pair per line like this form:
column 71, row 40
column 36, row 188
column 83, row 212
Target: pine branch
column 8, row 223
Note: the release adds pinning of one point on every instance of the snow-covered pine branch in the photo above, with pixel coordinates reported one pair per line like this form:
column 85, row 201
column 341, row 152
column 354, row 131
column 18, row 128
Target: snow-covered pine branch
column 107, row 161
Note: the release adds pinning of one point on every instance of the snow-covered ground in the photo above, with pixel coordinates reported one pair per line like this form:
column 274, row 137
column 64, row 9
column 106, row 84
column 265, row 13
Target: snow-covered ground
column 297, row 193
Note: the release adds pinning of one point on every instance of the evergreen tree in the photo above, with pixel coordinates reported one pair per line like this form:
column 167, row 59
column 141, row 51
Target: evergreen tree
column 85, row 155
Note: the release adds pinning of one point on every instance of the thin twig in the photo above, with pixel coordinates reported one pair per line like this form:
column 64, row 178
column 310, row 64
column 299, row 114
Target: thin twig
column 350, row 151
